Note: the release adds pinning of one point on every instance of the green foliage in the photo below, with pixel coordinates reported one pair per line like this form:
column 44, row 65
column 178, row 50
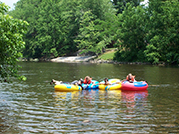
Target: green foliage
column 163, row 31
column 152, row 54
column 56, row 24
column 52, row 25
column 22, row 78
column 120, row 5
column 96, row 7
column 88, row 37
column 95, row 30
column 131, row 34
column 54, row 51
column 11, row 42
column 149, row 34
column 60, row 27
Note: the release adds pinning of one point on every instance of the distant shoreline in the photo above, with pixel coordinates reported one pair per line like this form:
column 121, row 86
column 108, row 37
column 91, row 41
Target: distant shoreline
column 72, row 59
column 85, row 59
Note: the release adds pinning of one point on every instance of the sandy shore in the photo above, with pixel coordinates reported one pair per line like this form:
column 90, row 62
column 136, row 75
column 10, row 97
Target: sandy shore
column 90, row 59
column 72, row 59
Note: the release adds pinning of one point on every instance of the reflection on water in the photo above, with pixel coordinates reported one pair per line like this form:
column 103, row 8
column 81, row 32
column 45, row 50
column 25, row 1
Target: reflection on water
column 34, row 107
column 109, row 109
column 133, row 98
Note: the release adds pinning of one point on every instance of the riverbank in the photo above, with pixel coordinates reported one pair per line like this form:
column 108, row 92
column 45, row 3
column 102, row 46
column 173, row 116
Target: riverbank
column 90, row 59
column 73, row 59
column 87, row 59
column 106, row 57
column 84, row 59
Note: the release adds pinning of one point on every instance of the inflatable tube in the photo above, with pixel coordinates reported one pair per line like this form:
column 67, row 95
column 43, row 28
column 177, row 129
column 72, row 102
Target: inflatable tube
column 70, row 87
column 91, row 86
column 134, row 86
column 112, row 80
column 67, row 87
column 111, row 87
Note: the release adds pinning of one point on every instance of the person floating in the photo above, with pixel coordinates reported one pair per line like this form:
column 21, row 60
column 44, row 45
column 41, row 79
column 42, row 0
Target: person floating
column 55, row 82
column 75, row 82
column 88, row 80
column 106, row 82
column 130, row 78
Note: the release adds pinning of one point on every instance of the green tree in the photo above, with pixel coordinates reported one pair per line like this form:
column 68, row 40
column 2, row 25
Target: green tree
column 11, row 42
column 163, row 27
column 96, row 28
column 71, row 15
column 121, row 4
column 53, row 26
column 28, row 10
column 97, row 7
column 88, row 37
column 131, row 34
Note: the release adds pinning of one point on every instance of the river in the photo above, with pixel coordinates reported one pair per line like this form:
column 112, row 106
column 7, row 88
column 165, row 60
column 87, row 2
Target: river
column 34, row 107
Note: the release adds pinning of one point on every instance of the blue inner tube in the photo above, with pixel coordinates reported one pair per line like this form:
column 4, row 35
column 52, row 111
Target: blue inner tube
column 140, row 84
column 91, row 86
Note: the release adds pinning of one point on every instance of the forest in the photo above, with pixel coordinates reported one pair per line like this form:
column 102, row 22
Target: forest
column 141, row 33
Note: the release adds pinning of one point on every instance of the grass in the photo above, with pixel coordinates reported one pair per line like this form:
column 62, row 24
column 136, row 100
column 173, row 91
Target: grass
column 107, row 55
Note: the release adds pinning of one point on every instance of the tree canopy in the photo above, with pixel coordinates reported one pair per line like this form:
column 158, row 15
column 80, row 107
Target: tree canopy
column 11, row 42
column 163, row 31
column 149, row 34
column 61, row 27
column 55, row 25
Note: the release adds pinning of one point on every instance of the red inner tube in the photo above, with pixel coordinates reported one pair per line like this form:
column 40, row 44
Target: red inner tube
column 134, row 86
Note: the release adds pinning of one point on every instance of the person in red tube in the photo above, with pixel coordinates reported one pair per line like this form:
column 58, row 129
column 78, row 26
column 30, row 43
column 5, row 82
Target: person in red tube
column 130, row 78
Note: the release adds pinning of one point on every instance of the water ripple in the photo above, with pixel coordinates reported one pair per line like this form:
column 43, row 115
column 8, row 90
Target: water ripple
column 35, row 109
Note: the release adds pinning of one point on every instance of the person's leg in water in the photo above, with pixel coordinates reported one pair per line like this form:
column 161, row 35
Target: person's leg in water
column 75, row 82
column 80, row 83
column 55, row 82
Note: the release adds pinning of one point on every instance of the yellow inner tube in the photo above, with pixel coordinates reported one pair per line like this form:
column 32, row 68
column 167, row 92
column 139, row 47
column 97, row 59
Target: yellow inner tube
column 114, row 80
column 111, row 87
column 67, row 87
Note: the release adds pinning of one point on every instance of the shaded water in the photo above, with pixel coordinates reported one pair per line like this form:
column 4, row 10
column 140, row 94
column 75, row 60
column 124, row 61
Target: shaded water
column 34, row 107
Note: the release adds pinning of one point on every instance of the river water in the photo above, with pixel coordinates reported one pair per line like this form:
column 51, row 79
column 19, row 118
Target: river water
column 34, row 107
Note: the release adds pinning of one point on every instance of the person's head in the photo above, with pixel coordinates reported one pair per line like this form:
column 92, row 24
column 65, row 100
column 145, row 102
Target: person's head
column 81, row 81
column 130, row 77
column 105, row 80
column 87, row 78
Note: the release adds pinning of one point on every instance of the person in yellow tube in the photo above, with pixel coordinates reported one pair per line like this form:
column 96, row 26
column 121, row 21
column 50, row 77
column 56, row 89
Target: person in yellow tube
column 106, row 82
column 75, row 82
